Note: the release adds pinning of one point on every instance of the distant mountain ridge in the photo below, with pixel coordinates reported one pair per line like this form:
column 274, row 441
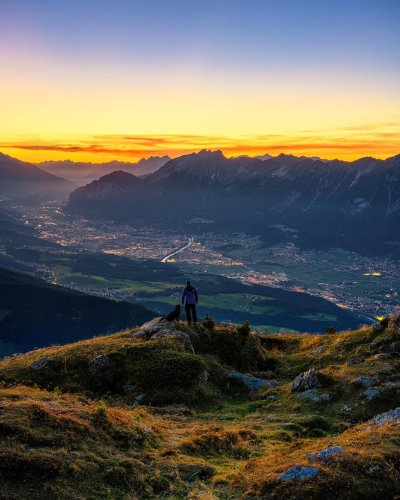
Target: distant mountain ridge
column 315, row 203
column 25, row 180
column 82, row 173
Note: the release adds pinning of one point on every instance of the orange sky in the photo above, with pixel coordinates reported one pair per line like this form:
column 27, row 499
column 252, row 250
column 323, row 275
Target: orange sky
column 379, row 140
column 317, row 79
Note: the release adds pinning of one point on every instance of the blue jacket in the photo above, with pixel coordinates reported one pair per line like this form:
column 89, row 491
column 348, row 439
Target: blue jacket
column 189, row 295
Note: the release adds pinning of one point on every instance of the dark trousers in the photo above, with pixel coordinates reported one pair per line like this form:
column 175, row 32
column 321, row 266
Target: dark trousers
column 191, row 312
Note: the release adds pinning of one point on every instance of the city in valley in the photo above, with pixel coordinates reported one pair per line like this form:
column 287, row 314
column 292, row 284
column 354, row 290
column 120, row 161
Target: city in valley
column 365, row 285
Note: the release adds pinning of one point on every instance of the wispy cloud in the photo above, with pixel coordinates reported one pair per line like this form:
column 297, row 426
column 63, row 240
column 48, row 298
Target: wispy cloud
column 347, row 142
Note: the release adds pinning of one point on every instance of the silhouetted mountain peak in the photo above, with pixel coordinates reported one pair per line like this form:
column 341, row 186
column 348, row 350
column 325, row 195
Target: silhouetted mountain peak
column 118, row 176
column 208, row 153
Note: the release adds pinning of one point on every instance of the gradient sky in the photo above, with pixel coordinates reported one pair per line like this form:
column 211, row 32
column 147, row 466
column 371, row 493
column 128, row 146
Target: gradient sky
column 97, row 80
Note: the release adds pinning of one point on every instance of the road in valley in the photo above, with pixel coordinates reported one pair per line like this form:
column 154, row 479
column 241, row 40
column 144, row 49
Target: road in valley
column 188, row 244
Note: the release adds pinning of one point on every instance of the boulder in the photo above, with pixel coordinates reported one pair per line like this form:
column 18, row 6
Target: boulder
column 299, row 473
column 160, row 327
column 250, row 382
column 40, row 363
column 371, row 394
column 389, row 417
column 183, row 337
column 102, row 371
column 365, row 381
column 314, row 395
column 305, row 381
column 325, row 454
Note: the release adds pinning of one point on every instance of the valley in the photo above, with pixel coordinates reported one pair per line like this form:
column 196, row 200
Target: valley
column 368, row 285
column 344, row 278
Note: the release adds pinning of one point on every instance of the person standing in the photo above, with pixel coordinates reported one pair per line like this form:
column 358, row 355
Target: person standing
column 190, row 300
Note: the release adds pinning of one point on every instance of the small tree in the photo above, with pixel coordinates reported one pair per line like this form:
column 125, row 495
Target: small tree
column 330, row 329
column 244, row 329
column 209, row 323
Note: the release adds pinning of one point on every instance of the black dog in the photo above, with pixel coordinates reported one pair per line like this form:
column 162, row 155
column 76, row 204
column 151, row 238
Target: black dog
column 174, row 315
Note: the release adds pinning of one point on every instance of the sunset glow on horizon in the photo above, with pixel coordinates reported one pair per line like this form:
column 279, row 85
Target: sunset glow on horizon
column 100, row 81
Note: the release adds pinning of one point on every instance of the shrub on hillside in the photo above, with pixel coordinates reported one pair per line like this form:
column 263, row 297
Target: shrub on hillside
column 236, row 350
column 244, row 329
column 330, row 329
column 209, row 323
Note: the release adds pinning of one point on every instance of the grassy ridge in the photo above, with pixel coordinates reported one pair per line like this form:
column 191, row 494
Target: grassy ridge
column 190, row 436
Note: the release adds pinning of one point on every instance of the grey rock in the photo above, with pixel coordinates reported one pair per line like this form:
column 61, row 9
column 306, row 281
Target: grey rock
column 389, row 417
column 40, row 363
column 102, row 371
column 365, row 381
column 305, row 381
column 382, row 345
column 325, row 454
column 175, row 334
column 314, row 395
column 299, row 473
column 154, row 324
column 371, row 394
column 98, row 364
column 252, row 383
column 159, row 328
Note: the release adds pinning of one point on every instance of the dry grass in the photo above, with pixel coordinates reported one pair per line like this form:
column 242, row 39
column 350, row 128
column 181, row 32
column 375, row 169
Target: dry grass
column 62, row 444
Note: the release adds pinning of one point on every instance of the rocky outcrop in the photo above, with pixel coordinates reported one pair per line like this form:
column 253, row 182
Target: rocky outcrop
column 388, row 346
column 305, row 381
column 102, row 371
column 299, row 473
column 325, row 454
column 389, row 417
column 40, row 364
column 314, row 395
column 160, row 327
column 390, row 322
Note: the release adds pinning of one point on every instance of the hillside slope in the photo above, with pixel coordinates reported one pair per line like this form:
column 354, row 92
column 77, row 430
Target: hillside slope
column 26, row 181
column 34, row 313
column 205, row 414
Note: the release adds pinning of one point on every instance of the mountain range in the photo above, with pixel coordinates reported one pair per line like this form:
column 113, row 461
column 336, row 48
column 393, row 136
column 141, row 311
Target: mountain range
column 27, row 181
column 81, row 173
column 314, row 203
